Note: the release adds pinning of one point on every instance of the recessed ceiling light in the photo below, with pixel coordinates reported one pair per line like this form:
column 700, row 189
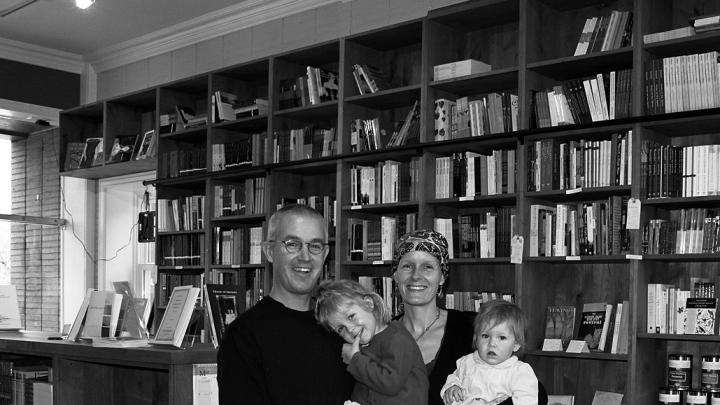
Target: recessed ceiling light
column 83, row 4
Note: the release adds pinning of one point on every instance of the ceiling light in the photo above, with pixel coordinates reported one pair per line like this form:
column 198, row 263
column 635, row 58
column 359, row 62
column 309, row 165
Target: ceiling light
column 83, row 4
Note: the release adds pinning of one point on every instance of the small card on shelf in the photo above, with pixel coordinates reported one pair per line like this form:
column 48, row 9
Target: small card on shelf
column 577, row 346
column 552, row 345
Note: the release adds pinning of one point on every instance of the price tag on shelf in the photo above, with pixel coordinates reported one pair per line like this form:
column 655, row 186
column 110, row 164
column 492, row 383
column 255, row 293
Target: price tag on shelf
column 516, row 249
column 633, row 214
column 577, row 346
column 178, row 267
column 355, row 207
column 235, row 266
column 467, row 198
column 633, row 257
column 552, row 345
column 378, row 262
column 573, row 190
column 572, row 258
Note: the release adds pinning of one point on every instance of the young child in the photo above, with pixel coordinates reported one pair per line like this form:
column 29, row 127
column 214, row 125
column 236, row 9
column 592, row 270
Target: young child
column 381, row 355
column 493, row 373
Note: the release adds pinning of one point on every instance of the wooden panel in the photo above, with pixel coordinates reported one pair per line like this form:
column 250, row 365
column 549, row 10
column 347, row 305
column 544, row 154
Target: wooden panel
column 298, row 30
column 160, row 69
column 237, row 46
column 184, row 61
column 267, row 39
column 209, row 55
column 136, row 75
column 368, row 14
column 333, row 21
column 91, row 383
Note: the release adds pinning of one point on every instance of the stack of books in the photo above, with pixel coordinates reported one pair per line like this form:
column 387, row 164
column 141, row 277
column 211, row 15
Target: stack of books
column 460, row 68
column 668, row 35
column 705, row 23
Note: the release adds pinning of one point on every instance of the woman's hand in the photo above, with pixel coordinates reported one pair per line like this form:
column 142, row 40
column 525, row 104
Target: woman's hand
column 350, row 349
column 454, row 394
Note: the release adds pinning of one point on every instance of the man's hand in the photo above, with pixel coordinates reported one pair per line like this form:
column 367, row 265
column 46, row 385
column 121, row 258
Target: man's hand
column 454, row 394
column 349, row 349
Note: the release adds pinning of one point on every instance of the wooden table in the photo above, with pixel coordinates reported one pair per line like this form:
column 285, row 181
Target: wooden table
column 83, row 374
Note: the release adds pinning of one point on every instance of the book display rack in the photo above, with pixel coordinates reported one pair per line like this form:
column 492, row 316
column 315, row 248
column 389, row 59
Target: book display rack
column 585, row 154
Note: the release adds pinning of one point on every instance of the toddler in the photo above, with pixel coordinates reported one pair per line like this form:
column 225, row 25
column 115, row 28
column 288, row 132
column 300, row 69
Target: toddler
column 381, row 355
column 493, row 373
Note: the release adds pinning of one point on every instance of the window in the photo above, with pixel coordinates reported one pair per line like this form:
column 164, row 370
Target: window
column 5, row 209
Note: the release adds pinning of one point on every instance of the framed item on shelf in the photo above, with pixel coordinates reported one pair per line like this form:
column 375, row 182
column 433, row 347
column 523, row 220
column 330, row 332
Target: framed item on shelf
column 147, row 146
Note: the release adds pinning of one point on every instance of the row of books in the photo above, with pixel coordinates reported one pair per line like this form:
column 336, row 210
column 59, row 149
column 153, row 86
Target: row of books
column 180, row 214
column 477, row 115
column 602, row 327
column 469, row 174
column 472, row 300
column 187, row 118
column 25, row 381
column 302, row 143
column 325, row 204
column 369, row 134
column 181, row 250
column 190, row 159
column 168, row 281
column 237, row 245
column 91, row 152
column 385, row 287
column 583, row 228
column 670, row 309
column 680, row 171
column 691, row 230
column 373, row 240
column 318, row 85
column 386, row 182
column 554, row 165
column 370, row 79
column 252, row 279
column 600, row 97
column 227, row 106
column 241, row 198
column 605, row 33
column 682, row 83
column 459, row 68
column 247, row 152
column 479, row 235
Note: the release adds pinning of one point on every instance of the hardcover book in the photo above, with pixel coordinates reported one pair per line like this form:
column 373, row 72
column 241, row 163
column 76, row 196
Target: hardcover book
column 700, row 316
column 560, row 323
column 592, row 323
column 74, row 155
column 122, row 149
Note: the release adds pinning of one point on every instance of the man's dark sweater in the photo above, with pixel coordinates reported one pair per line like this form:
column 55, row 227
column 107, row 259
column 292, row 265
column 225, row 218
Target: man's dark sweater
column 273, row 355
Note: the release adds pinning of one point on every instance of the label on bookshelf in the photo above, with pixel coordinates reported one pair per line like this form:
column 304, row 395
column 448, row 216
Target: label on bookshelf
column 577, row 346
column 235, row 266
column 178, row 267
column 633, row 214
column 516, row 249
column 467, row 198
column 356, row 207
column 378, row 262
column 573, row 190
column 572, row 258
column 634, row 257
column 552, row 345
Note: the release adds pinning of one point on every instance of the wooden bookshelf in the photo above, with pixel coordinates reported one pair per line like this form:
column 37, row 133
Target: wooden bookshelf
column 530, row 45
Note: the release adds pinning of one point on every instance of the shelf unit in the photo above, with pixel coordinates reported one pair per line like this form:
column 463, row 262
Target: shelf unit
column 529, row 44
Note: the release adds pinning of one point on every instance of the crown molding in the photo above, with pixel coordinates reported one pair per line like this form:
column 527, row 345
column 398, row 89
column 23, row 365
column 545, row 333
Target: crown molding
column 41, row 56
column 230, row 19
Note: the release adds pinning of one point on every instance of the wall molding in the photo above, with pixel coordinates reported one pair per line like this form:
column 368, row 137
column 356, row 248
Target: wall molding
column 41, row 56
column 230, row 19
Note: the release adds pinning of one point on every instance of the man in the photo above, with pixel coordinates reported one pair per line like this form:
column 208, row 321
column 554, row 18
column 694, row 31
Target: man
column 276, row 353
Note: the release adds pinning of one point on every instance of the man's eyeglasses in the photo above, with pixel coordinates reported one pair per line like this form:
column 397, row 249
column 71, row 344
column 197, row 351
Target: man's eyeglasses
column 295, row 245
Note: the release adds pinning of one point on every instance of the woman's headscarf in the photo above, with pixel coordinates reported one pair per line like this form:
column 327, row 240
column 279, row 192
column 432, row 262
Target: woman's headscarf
column 423, row 240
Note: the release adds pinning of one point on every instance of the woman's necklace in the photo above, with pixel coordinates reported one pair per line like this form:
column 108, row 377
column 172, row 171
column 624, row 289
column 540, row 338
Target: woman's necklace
column 427, row 328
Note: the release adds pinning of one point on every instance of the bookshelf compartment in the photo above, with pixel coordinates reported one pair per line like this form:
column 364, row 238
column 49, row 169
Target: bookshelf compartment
column 581, row 376
column 183, row 106
column 484, row 31
column 561, row 23
column 383, row 60
column 240, row 93
column 472, row 281
column 667, row 15
column 307, row 77
column 376, row 128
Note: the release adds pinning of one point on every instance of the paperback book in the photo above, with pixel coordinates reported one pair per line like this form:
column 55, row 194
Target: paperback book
column 560, row 323
column 592, row 323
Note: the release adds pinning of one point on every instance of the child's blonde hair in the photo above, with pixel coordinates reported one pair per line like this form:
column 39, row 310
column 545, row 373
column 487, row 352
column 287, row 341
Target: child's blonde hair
column 493, row 313
column 333, row 294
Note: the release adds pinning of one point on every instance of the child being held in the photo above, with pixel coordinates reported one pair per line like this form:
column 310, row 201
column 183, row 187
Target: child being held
column 493, row 373
column 381, row 355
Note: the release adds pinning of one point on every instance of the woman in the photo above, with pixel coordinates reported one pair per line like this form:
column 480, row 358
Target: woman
column 420, row 269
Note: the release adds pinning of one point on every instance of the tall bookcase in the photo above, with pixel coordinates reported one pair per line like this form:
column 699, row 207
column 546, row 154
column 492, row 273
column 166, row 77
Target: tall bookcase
column 530, row 45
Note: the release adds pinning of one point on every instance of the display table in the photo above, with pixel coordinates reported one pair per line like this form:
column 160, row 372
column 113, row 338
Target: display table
column 83, row 374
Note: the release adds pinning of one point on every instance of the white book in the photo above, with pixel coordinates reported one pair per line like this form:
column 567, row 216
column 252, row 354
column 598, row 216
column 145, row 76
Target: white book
column 580, row 47
column 470, row 182
column 606, row 326
column 666, row 85
column 490, row 220
column 651, row 315
column 176, row 318
column 591, row 101
column 598, row 86
column 611, row 109
column 616, row 327
column 388, row 226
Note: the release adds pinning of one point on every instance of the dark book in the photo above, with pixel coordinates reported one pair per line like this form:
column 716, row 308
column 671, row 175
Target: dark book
column 74, row 155
column 123, row 148
column 223, row 304
column 592, row 323
column 91, row 149
column 560, row 323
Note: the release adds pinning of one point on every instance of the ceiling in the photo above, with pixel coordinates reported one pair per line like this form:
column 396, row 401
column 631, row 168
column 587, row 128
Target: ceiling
column 59, row 25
